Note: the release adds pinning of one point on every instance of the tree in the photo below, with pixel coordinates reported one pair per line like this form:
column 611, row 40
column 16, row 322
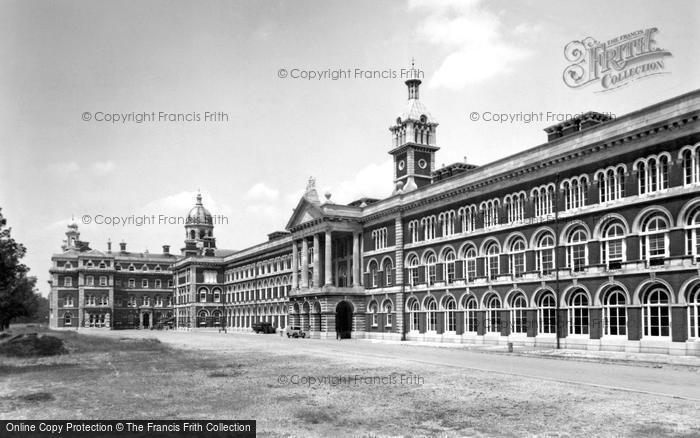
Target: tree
column 18, row 295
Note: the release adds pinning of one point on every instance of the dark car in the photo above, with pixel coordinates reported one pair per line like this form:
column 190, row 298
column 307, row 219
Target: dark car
column 263, row 327
column 295, row 332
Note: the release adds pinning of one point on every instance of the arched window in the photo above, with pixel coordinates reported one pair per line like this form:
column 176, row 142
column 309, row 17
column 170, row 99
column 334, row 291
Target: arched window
column 654, row 247
column 449, row 260
column 413, row 273
column 430, row 261
column 469, row 263
column 615, row 313
column 692, row 232
column 202, row 295
column 652, row 174
column 389, row 315
column 578, row 313
column 493, row 314
column 691, row 165
column 428, row 224
column 544, row 255
column 490, row 212
column 576, row 250
column 515, row 204
column 518, row 313
column 373, row 273
column 546, row 313
column 431, row 317
column 414, row 312
column 543, row 200
column 611, row 183
column 467, row 216
column 388, row 268
column 656, row 313
column 491, row 251
column 373, row 308
column 217, row 295
column 613, row 244
column 447, row 222
column 693, row 300
column 413, row 230
column 517, row 256
column 470, row 321
column 450, row 321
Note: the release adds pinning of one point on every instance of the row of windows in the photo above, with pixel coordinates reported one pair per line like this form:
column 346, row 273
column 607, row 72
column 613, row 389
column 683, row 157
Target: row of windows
column 131, row 301
column 652, row 176
column 656, row 313
column 263, row 268
column 653, row 229
column 379, row 237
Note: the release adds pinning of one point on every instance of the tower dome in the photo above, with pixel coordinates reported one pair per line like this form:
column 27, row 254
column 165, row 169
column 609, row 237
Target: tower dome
column 199, row 231
column 198, row 214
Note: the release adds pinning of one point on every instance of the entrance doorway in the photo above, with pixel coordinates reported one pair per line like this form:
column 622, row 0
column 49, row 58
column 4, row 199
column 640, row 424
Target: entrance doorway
column 343, row 319
column 146, row 320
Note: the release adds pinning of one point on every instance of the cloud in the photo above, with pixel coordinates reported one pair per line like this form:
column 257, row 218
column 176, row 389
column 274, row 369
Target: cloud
column 474, row 39
column 63, row 167
column 179, row 204
column 373, row 181
column 103, row 167
column 262, row 192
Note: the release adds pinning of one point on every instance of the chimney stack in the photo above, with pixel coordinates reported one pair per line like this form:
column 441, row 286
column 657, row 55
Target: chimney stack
column 122, row 245
column 166, row 249
column 109, row 245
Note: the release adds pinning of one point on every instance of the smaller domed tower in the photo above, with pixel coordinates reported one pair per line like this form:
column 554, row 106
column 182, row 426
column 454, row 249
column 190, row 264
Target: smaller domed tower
column 199, row 231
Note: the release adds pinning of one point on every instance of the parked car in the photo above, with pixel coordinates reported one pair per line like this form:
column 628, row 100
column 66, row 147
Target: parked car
column 263, row 327
column 295, row 332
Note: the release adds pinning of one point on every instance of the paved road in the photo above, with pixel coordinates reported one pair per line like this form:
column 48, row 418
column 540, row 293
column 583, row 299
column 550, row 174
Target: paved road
column 664, row 381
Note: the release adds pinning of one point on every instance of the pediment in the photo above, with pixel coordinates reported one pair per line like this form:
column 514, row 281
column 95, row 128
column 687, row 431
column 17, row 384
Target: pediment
column 305, row 211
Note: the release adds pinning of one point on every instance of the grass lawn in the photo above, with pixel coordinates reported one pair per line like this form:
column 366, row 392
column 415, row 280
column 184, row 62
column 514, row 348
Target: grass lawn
column 113, row 378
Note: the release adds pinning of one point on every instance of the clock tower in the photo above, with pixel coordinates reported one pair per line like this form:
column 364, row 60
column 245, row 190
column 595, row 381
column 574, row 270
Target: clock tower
column 413, row 142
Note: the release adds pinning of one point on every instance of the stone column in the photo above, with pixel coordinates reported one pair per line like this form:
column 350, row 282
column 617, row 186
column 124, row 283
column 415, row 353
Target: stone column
column 317, row 261
column 355, row 259
column 295, row 263
column 304, row 263
column 327, row 259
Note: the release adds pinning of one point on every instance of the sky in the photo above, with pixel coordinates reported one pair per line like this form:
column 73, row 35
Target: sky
column 63, row 59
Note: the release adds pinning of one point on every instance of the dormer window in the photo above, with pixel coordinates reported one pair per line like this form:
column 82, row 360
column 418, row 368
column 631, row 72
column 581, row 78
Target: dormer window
column 144, row 268
column 132, row 268
column 102, row 265
column 158, row 268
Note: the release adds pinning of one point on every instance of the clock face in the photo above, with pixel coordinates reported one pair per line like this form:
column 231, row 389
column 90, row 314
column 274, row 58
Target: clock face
column 422, row 163
column 402, row 164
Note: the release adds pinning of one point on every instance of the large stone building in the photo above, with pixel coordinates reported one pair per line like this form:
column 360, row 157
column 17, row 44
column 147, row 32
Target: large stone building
column 589, row 240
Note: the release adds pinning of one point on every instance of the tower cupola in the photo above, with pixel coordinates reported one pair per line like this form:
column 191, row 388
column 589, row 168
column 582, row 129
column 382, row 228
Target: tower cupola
column 413, row 140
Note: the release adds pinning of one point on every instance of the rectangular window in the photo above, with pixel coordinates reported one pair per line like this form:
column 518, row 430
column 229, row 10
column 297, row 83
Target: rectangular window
column 158, row 284
column 144, row 283
column 67, row 281
column 518, row 264
column 132, row 283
